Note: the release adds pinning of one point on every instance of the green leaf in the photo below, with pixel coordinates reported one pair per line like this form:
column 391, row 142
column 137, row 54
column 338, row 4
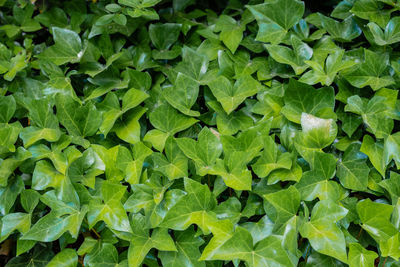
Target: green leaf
column 391, row 149
column 187, row 244
column 66, row 258
column 343, row 31
column 194, row 207
column 104, row 255
column 204, row 152
column 372, row 11
column 163, row 36
column 56, row 223
column 392, row 186
column 374, row 114
column 8, row 165
column 373, row 71
column 14, row 221
column 231, row 32
column 295, row 57
column 271, row 159
column 32, row 134
column 280, row 212
column 241, row 246
column 316, row 133
column 375, row 219
column 194, row 64
column 174, row 165
column 326, row 72
column 109, row 208
column 183, row 94
column 112, row 110
column 390, row 34
column 324, row 235
column 79, row 120
column 352, row 169
column 9, row 194
column 40, row 256
column 231, row 96
column 359, row 256
column 67, row 47
column 7, row 108
column 374, row 151
column 275, row 18
column 128, row 128
column 8, row 136
column 141, row 242
column 300, row 97
column 174, row 123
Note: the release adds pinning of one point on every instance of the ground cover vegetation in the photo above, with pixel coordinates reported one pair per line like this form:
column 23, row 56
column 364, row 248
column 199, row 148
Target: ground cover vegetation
column 190, row 133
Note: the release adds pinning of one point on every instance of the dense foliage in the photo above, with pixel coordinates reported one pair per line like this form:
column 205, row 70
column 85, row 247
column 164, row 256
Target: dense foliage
column 183, row 134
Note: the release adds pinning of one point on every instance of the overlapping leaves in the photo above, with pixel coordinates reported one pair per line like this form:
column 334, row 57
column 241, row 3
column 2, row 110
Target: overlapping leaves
column 180, row 133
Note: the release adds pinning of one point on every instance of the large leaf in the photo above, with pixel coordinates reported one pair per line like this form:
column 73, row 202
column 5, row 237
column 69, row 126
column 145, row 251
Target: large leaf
column 275, row 18
column 300, row 97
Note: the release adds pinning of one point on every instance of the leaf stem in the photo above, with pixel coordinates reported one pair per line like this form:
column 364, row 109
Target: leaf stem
column 96, row 233
column 359, row 233
column 306, row 257
column 383, row 265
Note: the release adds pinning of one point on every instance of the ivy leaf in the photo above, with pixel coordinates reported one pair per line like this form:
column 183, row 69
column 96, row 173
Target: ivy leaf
column 325, row 73
column 276, row 18
column 353, row 170
column 373, row 71
column 39, row 256
column 141, row 242
column 108, row 207
column 65, row 258
column 176, row 122
column 7, row 108
column 231, row 96
column 295, row 57
column 392, row 186
column 8, row 165
column 343, row 31
column 373, row 113
column 194, row 64
column 316, row 134
column 372, row 11
column 300, row 97
column 183, row 94
column 61, row 219
column 390, row 149
column 104, row 255
column 194, row 207
column 204, row 152
column 359, row 256
column 187, row 245
column 281, row 212
column 375, row 219
column 78, row 120
column 271, row 159
column 374, row 150
column 67, row 47
column 174, row 165
column 241, row 246
column 9, row 194
column 390, row 34
column 112, row 110
column 163, row 36
column 46, row 176
column 324, row 235
column 15, row 221
column 231, row 32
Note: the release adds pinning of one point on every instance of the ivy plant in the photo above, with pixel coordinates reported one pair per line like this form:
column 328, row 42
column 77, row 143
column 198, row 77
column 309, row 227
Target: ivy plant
column 199, row 133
